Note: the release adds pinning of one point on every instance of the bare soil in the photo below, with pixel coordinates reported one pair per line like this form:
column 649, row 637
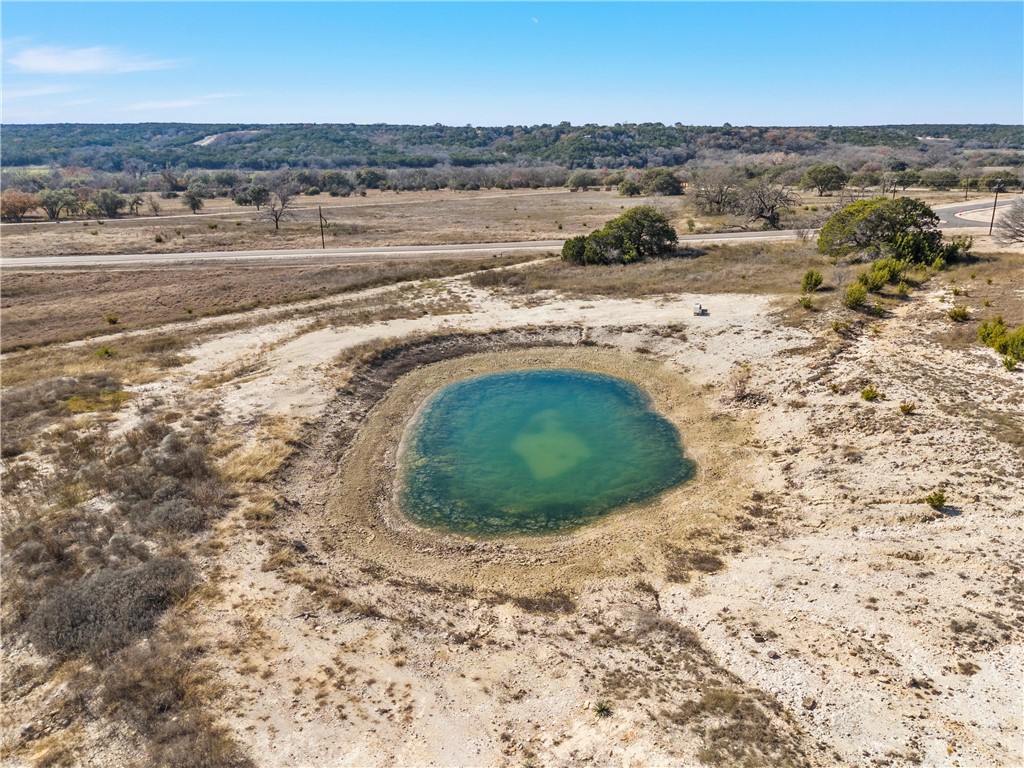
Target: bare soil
column 799, row 603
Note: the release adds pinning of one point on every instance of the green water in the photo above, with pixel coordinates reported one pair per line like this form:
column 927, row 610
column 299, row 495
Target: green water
column 537, row 451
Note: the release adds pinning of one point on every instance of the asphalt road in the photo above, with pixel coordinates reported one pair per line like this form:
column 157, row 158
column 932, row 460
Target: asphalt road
column 341, row 255
column 947, row 214
column 948, row 218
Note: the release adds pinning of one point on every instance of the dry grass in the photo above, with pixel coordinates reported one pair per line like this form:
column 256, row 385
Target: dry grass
column 43, row 307
column 987, row 287
column 775, row 268
column 93, row 560
column 386, row 218
column 258, row 460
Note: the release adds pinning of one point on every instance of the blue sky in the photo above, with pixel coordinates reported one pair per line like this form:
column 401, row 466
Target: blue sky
column 514, row 63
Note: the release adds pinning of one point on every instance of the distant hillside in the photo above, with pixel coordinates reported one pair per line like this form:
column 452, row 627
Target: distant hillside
column 268, row 147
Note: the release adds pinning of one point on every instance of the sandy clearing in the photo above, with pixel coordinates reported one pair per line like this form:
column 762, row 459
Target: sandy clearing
column 886, row 633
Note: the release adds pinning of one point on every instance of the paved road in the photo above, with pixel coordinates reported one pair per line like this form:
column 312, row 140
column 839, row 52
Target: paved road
column 947, row 214
column 949, row 218
column 341, row 255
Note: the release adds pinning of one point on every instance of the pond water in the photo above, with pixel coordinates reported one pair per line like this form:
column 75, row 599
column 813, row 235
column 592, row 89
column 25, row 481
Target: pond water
column 535, row 451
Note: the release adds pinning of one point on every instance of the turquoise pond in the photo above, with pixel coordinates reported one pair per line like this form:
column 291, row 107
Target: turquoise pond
column 534, row 452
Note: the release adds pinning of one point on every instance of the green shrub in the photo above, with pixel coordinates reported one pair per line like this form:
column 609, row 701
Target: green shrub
column 1010, row 363
column 907, row 407
column 856, row 295
column 997, row 334
column 991, row 330
column 935, row 499
column 872, row 281
column 104, row 352
column 603, row 709
column 806, row 302
column 112, row 319
column 869, row 393
column 812, row 281
column 630, row 188
column 890, row 270
column 959, row 313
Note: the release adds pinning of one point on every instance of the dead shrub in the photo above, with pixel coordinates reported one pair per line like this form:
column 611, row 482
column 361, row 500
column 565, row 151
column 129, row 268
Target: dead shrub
column 679, row 563
column 27, row 410
column 109, row 608
column 556, row 601
column 159, row 688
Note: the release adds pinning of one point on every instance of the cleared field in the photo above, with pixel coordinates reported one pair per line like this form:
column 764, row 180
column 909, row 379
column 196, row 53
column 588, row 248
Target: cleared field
column 39, row 307
column 382, row 219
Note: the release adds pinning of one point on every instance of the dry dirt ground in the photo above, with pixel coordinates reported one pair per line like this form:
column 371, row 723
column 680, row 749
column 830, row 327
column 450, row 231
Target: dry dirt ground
column 797, row 603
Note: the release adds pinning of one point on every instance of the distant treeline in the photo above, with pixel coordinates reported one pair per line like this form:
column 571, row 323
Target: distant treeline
column 115, row 148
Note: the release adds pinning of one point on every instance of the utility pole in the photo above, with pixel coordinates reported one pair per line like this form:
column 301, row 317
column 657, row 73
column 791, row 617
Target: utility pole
column 999, row 186
column 323, row 242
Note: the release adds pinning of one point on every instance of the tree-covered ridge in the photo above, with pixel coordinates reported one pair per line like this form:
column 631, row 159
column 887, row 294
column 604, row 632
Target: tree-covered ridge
column 267, row 147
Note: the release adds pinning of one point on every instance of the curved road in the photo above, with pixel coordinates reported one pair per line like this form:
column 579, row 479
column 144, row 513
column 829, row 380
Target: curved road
column 947, row 215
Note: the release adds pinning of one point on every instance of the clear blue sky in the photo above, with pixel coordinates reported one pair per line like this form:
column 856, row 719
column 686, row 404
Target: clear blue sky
column 514, row 63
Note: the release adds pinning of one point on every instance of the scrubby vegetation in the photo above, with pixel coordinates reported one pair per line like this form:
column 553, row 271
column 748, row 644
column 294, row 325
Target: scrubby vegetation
column 1004, row 340
column 93, row 560
column 268, row 147
column 811, row 282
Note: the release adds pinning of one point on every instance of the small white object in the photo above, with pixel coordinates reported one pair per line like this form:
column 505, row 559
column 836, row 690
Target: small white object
column 698, row 309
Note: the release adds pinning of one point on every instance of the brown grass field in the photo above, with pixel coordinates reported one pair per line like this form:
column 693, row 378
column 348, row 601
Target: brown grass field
column 379, row 219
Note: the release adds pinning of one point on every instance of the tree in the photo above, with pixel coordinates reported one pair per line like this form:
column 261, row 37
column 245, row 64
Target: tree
column 574, row 249
column 715, row 190
column 660, row 181
column 645, row 233
column 54, row 202
column 109, row 202
column 905, row 228
column 371, row 178
column 15, row 204
column 581, row 179
column 639, row 233
column 193, row 199
column 338, row 183
column 999, row 181
column 864, row 179
column 135, row 203
column 907, row 177
column 811, row 282
column 281, row 198
column 630, row 188
column 766, row 201
column 1010, row 227
column 940, row 179
column 825, row 177
column 258, row 195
